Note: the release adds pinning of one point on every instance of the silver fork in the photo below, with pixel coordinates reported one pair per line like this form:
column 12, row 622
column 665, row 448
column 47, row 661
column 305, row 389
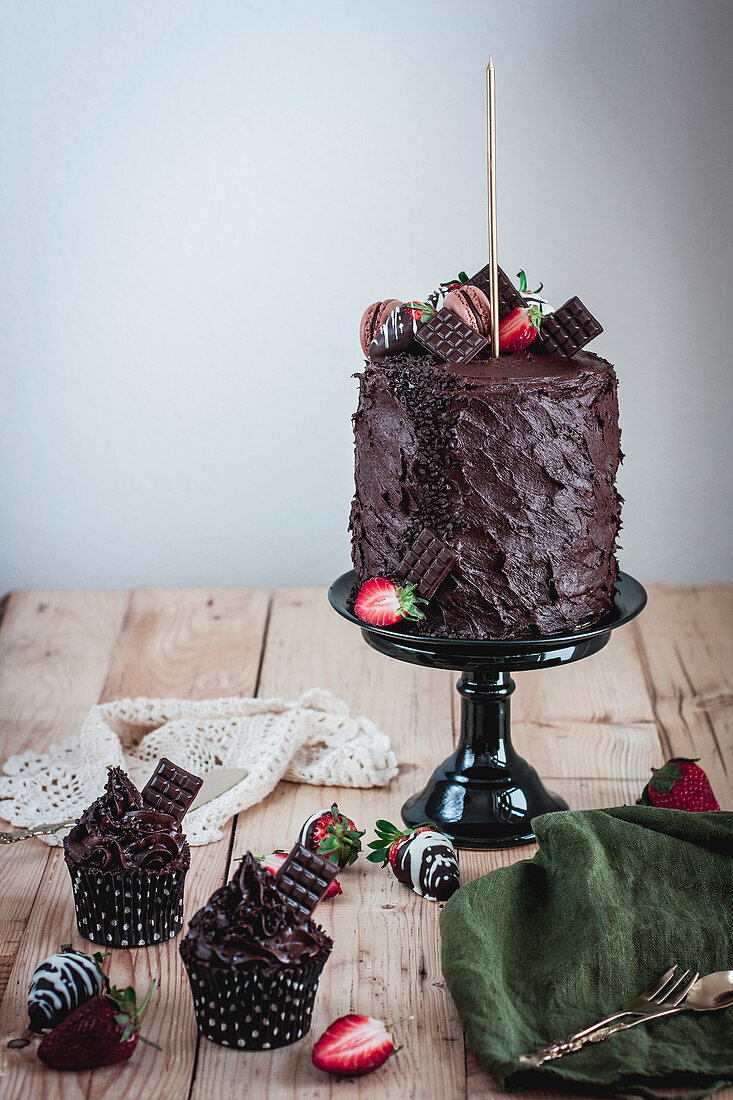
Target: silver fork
column 661, row 996
column 37, row 830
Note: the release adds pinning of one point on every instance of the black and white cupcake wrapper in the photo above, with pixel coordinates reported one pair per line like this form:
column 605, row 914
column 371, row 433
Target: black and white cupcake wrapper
column 123, row 909
column 254, row 1009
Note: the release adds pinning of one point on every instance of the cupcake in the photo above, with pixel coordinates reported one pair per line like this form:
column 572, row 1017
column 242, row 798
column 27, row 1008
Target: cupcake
column 127, row 864
column 252, row 963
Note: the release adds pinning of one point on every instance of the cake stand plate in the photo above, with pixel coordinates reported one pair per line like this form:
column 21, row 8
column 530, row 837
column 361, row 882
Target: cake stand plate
column 485, row 795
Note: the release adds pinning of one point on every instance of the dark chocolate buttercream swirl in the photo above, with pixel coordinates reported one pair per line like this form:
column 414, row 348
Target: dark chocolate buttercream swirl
column 248, row 921
column 117, row 833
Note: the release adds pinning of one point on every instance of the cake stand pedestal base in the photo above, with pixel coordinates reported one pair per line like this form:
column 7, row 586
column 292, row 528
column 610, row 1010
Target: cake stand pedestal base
column 485, row 795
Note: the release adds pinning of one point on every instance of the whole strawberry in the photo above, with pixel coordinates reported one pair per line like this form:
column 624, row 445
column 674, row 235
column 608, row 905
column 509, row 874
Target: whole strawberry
column 381, row 602
column 275, row 860
column 679, row 785
column 100, row 1032
column 332, row 835
column 352, row 1046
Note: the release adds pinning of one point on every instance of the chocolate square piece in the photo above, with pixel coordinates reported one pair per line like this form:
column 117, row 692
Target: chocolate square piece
column 509, row 297
column 427, row 563
column 567, row 330
column 449, row 338
column 170, row 789
column 304, row 878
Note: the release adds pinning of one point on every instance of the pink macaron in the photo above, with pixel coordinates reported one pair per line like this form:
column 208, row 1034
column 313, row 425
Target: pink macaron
column 373, row 318
column 471, row 306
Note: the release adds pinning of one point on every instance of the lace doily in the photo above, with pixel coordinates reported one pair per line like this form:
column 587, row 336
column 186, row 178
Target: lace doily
column 311, row 740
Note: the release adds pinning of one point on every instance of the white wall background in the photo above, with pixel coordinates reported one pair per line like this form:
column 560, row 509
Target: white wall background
column 199, row 197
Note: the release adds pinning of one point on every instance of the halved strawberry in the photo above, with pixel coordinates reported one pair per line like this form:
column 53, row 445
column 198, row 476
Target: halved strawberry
column 383, row 603
column 518, row 329
column 390, row 839
column 275, row 860
column 679, row 785
column 352, row 1046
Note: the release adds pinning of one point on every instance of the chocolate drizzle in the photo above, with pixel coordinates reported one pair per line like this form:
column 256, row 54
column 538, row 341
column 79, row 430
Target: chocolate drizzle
column 117, row 833
column 512, row 462
column 248, row 921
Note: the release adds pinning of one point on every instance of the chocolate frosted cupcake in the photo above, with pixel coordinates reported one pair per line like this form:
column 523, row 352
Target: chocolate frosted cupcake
column 127, row 864
column 253, row 964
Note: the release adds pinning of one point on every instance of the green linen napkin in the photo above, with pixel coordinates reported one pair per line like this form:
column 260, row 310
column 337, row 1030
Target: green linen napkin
column 538, row 950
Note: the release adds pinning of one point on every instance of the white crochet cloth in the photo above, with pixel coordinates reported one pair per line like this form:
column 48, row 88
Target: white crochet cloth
column 311, row 740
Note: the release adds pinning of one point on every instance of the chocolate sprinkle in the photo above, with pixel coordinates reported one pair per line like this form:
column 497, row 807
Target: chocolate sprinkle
column 427, row 563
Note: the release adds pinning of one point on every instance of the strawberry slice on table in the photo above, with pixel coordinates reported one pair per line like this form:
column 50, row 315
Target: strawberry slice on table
column 679, row 785
column 332, row 835
column 381, row 602
column 102, row 1031
column 390, row 839
column 352, row 1046
column 275, row 860
column 518, row 329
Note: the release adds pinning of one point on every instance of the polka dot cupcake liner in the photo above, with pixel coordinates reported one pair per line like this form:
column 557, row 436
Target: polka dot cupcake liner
column 123, row 909
column 254, row 1009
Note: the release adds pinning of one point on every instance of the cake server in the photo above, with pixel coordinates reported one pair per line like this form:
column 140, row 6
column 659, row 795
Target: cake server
column 708, row 994
column 215, row 783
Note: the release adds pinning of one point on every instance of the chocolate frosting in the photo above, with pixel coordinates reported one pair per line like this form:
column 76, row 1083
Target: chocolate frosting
column 116, row 833
column 512, row 462
column 248, row 922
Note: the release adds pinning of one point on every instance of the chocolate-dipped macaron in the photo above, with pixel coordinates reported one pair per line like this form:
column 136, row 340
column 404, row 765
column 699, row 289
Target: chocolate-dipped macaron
column 396, row 336
column 372, row 320
column 252, row 963
column 471, row 305
column 127, row 864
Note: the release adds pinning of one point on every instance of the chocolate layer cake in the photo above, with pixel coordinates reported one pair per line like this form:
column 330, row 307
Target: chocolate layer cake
column 512, row 463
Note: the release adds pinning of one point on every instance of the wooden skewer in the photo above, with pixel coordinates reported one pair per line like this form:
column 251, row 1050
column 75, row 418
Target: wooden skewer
column 491, row 179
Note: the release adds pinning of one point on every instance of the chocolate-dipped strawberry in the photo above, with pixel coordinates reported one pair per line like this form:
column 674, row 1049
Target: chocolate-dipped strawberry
column 332, row 835
column 60, row 984
column 423, row 858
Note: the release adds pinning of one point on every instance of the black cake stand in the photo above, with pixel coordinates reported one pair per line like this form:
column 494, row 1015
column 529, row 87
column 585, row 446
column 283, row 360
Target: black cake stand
column 485, row 795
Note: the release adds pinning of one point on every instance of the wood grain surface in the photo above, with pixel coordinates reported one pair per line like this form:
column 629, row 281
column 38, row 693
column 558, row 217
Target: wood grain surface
column 662, row 686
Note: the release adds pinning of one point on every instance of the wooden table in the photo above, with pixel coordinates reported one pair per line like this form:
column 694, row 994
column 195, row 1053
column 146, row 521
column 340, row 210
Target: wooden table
column 661, row 688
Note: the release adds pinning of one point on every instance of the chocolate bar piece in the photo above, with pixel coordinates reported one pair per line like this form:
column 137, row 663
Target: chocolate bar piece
column 170, row 789
column 567, row 330
column 449, row 338
column 509, row 297
column 304, row 878
column 427, row 563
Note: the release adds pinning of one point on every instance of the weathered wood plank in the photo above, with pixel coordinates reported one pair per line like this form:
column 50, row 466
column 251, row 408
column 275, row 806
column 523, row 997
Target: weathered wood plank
column 386, row 956
column 54, row 652
column 589, row 729
column 190, row 643
column 685, row 639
